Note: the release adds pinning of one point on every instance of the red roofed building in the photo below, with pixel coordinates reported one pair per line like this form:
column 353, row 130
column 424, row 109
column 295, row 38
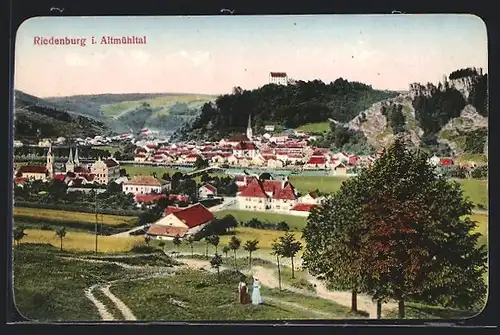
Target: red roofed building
column 446, row 161
column 178, row 197
column 316, row 162
column 262, row 195
column 301, row 207
column 278, row 78
column 187, row 220
column 207, row 191
column 145, row 185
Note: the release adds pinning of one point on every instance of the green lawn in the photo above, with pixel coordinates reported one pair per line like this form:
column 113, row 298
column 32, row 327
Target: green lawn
column 318, row 127
column 198, row 295
column 482, row 227
column 133, row 170
column 327, row 184
column 294, row 222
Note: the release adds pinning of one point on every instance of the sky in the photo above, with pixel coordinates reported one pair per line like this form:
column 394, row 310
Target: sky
column 213, row 54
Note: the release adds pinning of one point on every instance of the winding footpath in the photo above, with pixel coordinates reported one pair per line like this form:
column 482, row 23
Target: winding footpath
column 266, row 276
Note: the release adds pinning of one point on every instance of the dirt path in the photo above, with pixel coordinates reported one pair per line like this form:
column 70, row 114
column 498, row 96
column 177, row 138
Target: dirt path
column 126, row 312
column 319, row 314
column 101, row 308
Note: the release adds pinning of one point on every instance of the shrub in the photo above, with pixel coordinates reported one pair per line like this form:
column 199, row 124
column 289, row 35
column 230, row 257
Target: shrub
column 143, row 249
column 46, row 226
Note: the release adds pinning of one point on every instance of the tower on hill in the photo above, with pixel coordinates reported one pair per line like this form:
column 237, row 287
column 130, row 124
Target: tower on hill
column 50, row 162
column 249, row 127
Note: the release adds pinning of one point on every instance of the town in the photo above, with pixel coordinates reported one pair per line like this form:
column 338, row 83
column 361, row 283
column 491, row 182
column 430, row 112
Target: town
column 221, row 188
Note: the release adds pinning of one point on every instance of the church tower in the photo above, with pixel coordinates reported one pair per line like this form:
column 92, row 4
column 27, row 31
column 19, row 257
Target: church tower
column 50, row 162
column 249, row 127
column 70, row 164
column 77, row 160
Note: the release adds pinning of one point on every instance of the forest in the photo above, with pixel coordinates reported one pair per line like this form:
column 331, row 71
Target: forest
column 290, row 106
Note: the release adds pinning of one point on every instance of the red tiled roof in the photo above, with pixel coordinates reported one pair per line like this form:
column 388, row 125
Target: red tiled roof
column 303, row 207
column 316, row 160
column 141, row 155
column 241, row 188
column 172, row 209
column 446, row 161
column 193, row 156
column 238, row 138
column 20, row 180
column 255, row 190
column 151, row 146
column 111, row 163
column 178, row 197
column 60, row 176
column 89, row 176
column 278, row 74
column 194, row 216
column 145, row 180
column 170, row 231
column 81, row 169
column 149, row 197
column 210, row 187
column 33, row 169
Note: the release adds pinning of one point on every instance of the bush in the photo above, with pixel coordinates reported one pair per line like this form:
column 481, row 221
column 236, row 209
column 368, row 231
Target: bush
column 480, row 172
column 255, row 223
column 143, row 249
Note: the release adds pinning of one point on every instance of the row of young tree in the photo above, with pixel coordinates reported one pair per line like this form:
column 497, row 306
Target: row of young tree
column 398, row 232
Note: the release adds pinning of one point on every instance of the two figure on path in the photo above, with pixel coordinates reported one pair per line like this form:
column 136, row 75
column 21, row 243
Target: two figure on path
column 244, row 296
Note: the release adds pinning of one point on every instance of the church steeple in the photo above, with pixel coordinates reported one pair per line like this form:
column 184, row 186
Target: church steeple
column 249, row 127
column 50, row 162
column 70, row 164
column 77, row 160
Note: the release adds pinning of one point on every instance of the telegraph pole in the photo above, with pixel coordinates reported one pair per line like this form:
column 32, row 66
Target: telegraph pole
column 96, row 219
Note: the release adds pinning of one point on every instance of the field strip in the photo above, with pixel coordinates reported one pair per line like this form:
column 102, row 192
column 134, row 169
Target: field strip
column 126, row 312
column 101, row 308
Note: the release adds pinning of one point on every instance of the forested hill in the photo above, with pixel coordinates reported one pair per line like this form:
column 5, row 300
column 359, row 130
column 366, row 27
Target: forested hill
column 37, row 118
column 289, row 106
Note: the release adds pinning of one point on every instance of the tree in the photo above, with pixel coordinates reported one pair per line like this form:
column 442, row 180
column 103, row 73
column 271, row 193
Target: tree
column 162, row 245
column 61, row 232
column 214, row 240
column 200, row 163
column 289, row 247
column 177, row 241
column 251, row 246
column 19, row 234
column 147, row 239
column 342, row 238
column 397, row 119
column 123, row 172
column 176, row 180
column 216, row 263
column 226, row 250
column 207, row 242
column 205, row 178
column 166, row 177
column 234, row 244
column 190, row 241
column 277, row 251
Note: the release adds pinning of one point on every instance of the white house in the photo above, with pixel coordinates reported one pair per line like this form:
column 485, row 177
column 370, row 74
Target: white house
column 434, row 160
column 269, row 127
column 140, row 157
column 278, row 78
column 207, row 191
column 181, row 221
column 145, row 185
column 310, row 198
column 267, row 195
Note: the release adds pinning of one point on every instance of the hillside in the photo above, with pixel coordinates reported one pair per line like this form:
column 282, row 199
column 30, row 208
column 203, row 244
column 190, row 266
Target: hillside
column 290, row 106
column 164, row 112
column 450, row 118
column 35, row 117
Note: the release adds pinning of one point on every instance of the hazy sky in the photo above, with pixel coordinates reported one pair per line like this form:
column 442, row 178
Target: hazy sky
column 214, row 54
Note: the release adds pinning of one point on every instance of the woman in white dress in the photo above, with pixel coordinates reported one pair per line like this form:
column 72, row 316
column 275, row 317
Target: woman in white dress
column 256, row 297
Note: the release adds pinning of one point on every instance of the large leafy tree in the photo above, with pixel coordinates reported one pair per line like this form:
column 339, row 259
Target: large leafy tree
column 415, row 218
column 289, row 247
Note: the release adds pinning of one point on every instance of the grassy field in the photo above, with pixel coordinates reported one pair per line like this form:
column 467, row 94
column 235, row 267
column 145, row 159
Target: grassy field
column 79, row 241
column 482, row 227
column 476, row 190
column 293, row 221
column 117, row 108
column 52, row 214
column 466, row 157
column 48, row 288
column 197, row 295
column 318, row 127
